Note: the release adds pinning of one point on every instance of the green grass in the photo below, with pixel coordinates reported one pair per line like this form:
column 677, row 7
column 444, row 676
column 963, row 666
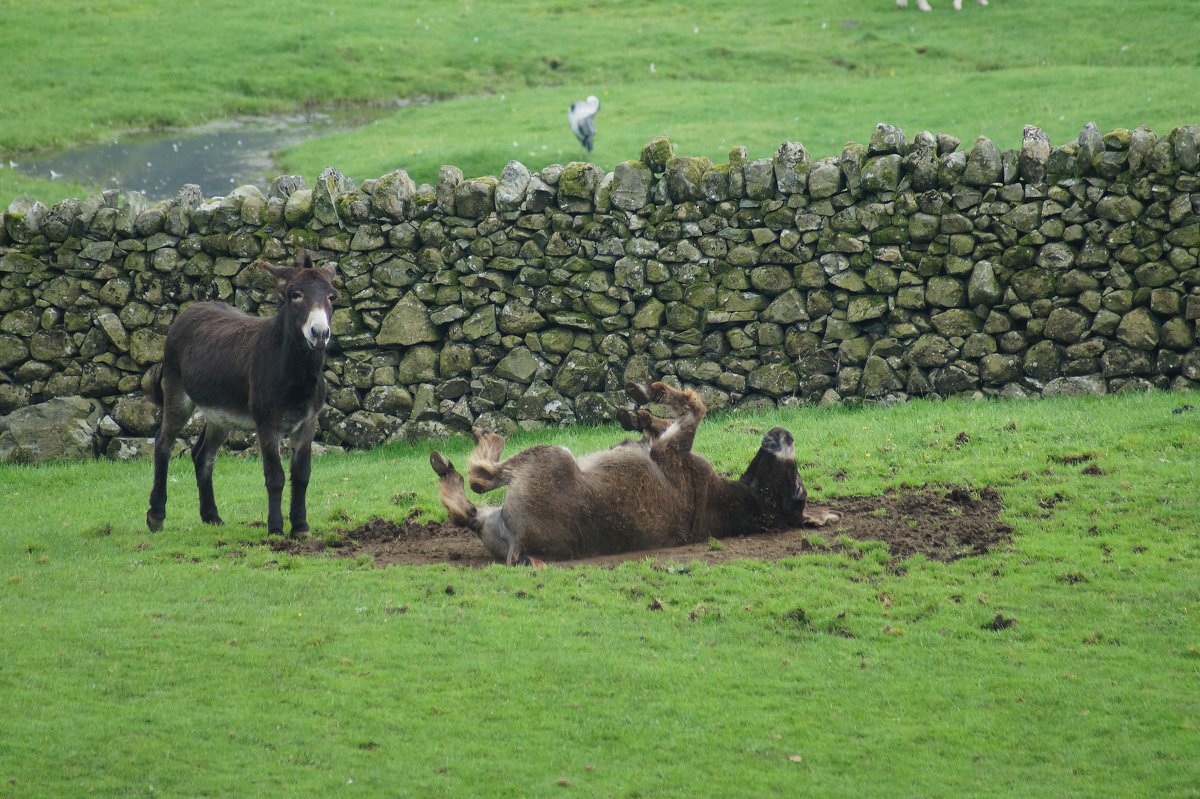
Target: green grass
column 195, row 662
column 480, row 134
column 821, row 72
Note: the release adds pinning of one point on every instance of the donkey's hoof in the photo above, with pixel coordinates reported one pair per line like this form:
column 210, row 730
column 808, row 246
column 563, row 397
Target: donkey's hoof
column 214, row 520
column 627, row 419
column 440, row 463
column 154, row 521
column 638, row 392
column 659, row 390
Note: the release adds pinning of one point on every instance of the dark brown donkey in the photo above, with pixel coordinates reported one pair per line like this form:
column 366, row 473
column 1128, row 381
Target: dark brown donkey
column 247, row 373
column 637, row 495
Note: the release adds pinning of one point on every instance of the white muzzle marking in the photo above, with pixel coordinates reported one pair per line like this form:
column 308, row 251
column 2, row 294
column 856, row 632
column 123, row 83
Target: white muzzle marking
column 316, row 328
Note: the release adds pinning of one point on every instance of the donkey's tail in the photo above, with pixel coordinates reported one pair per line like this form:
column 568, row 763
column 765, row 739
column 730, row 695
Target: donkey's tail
column 453, row 494
column 152, row 384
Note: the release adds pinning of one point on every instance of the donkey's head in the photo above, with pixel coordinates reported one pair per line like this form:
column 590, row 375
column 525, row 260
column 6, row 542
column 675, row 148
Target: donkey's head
column 774, row 480
column 306, row 296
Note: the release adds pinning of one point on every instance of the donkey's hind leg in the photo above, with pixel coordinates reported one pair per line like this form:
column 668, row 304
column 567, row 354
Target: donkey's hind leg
column 176, row 408
column 487, row 522
column 641, row 420
column 484, row 468
column 452, row 493
column 204, row 454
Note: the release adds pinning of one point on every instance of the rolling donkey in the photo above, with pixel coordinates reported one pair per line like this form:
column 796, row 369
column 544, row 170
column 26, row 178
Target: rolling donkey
column 643, row 494
column 247, row 373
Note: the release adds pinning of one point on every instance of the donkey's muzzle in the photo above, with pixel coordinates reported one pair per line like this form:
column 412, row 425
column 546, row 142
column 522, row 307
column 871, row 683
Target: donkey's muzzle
column 316, row 329
column 779, row 443
column 317, row 336
column 319, row 339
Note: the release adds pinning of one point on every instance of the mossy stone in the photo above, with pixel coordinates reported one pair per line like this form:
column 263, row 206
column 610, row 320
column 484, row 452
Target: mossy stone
column 776, row 379
column 631, row 185
column 1139, row 330
column 956, row 322
column 881, row 173
column 657, row 152
column 865, row 307
column 878, row 378
column 407, row 324
column 685, row 177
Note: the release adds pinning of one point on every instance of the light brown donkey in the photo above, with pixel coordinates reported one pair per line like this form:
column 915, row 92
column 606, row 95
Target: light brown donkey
column 654, row 492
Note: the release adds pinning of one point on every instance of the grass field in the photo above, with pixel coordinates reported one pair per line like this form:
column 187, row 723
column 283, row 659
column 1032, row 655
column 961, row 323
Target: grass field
column 197, row 662
column 820, row 72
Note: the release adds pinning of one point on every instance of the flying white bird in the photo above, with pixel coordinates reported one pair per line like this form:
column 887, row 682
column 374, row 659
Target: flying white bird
column 924, row 4
column 582, row 116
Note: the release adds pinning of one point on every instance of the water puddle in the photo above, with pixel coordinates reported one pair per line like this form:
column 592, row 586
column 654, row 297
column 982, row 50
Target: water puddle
column 218, row 156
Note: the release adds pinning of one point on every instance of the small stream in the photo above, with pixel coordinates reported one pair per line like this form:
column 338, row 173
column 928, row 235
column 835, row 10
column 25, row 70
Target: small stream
column 218, row 156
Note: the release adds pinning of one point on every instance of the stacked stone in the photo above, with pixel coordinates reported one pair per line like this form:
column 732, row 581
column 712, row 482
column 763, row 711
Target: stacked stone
column 893, row 269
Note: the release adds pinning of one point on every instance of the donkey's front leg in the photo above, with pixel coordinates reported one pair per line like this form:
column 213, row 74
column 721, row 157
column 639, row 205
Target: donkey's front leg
column 640, row 420
column 268, row 444
column 175, row 413
column 301, row 470
column 681, row 433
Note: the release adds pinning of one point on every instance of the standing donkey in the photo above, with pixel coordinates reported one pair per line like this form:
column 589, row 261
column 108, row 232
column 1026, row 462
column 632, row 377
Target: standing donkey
column 246, row 373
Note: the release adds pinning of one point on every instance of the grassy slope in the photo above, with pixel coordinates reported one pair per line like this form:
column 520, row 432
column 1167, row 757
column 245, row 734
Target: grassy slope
column 481, row 134
column 138, row 664
column 820, row 72
column 191, row 663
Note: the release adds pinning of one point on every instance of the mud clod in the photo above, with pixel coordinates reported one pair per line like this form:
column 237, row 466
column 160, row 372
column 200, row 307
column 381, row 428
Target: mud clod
column 1001, row 622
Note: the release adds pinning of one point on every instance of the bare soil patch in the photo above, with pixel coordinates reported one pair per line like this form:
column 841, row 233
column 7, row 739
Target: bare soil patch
column 941, row 522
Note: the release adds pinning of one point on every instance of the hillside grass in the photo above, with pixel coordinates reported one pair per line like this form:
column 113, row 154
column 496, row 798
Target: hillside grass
column 198, row 662
column 481, row 133
column 729, row 73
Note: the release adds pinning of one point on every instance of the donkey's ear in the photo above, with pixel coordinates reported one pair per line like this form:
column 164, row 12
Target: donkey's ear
column 304, row 259
column 281, row 273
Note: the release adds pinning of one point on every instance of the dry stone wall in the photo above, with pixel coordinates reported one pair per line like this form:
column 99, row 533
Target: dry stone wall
column 897, row 268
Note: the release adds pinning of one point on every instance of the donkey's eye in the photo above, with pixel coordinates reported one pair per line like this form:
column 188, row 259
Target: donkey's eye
column 297, row 296
column 333, row 295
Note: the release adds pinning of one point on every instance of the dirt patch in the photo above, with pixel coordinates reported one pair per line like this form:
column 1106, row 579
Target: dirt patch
column 1073, row 460
column 941, row 522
